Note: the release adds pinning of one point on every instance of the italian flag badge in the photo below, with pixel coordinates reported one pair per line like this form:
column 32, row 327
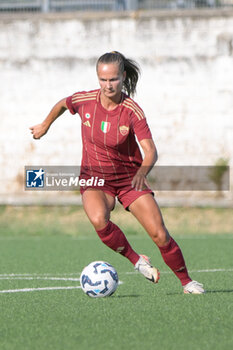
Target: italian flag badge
column 105, row 127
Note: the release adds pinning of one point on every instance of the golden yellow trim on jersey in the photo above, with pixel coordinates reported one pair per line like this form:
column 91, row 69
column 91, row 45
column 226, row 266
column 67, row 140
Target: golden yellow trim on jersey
column 132, row 109
column 88, row 94
column 131, row 104
column 80, row 97
column 83, row 99
column 93, row 93
column 140, row 117
column 137, row 110
column 135, row 106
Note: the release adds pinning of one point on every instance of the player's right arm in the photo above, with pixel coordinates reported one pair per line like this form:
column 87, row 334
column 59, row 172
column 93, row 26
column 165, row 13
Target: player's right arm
column 40, row 130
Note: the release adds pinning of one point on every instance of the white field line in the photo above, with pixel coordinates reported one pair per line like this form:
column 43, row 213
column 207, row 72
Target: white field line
column 39, row 278
column 23, row 290
column 36, row 289
column 213, row 270
column 51, row 277
column 191, row 271
column 39, row 274
column 46, row 277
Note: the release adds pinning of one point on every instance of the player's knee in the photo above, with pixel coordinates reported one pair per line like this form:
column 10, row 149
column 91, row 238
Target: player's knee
column 99, row 221
column 160, row 235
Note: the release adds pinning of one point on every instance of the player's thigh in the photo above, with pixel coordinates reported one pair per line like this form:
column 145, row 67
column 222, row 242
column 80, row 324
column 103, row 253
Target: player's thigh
column 98, row 205
column 147, row 212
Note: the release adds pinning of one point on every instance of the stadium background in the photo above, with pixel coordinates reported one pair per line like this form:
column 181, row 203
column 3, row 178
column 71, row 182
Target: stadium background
column 186, row 56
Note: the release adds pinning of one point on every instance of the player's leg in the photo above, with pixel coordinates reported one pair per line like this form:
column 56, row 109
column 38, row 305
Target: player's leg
column 98, row 205
column 147, row 212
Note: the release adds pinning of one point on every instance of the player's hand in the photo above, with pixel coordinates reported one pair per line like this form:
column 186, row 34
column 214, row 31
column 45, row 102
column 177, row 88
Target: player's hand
column 139, row 181
column 38, row 131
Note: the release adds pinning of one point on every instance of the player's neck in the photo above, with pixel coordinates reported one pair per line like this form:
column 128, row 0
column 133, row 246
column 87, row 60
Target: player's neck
column 110, row 103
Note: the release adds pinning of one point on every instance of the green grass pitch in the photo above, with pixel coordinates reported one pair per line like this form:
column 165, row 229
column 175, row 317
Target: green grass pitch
column 42, row 306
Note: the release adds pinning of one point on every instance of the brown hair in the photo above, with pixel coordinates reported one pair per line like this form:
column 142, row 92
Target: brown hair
column 129, row 66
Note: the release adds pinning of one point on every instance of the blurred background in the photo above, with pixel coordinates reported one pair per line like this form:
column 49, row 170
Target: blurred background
column 48, row 50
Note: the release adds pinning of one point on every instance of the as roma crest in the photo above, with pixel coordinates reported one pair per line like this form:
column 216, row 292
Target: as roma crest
column 124, row 130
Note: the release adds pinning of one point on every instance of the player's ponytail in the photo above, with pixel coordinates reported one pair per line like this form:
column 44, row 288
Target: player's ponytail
column 129, row 66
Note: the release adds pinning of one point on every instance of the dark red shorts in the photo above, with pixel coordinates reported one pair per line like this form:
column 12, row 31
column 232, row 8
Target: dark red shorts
column 125, row 194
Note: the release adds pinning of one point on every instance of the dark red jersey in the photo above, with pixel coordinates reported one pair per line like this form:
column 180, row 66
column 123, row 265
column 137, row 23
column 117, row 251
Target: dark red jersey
column 109, row 144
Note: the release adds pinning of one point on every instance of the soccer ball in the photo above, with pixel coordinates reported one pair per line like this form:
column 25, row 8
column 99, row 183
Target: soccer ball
column 99, row 279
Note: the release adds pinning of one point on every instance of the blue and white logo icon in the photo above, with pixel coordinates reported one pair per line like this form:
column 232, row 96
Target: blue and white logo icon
column 35, row 178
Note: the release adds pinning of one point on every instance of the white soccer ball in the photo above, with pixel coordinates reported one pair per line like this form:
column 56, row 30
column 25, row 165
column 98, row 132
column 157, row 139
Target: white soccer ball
column 99, row 279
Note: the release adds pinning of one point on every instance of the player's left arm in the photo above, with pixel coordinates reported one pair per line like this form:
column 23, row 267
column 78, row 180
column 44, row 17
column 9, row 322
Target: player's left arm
column 150, row 157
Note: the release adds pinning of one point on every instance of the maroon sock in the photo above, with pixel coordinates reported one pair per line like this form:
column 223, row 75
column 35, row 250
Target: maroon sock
column 114, row 238
column 173, row 257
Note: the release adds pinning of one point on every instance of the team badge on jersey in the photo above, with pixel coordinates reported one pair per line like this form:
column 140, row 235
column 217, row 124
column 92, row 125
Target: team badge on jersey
column 124, row 130
column 87, row 116
column 105, row 127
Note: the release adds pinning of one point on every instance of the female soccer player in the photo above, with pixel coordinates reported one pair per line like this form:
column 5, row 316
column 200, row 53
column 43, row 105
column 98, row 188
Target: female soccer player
column 110, row 121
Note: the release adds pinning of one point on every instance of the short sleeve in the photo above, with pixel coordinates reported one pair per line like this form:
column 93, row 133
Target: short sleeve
column 141, row 129
column 70, row 105
column 138, row 123
column 76, row 101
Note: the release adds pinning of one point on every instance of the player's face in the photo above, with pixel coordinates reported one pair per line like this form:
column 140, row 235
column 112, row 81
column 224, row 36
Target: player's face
column 110, row 79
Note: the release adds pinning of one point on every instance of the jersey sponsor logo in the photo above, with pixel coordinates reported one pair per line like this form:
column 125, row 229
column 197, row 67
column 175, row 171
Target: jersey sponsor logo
column 87, row 116
column 124, row 130
column 87, row 123
column 105, row 127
